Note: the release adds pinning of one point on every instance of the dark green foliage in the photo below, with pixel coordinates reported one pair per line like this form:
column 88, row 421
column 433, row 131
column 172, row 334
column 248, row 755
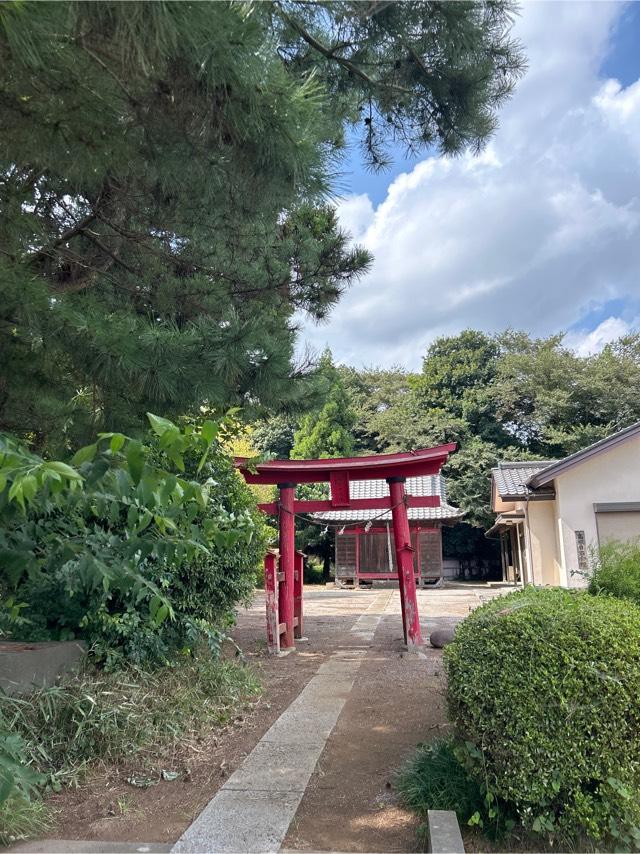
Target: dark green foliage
column 555, row 402
column 381, row 400
column 328, row 431
column 434, row 779
column 503, row 397
column 150, row 152
column 616, row 571
column 17, row 780
column 142, row 550
column 323, row 433
column 164, row 176
column 422, row 74
column 21, row 814
column 542, row 691
column 275, row 437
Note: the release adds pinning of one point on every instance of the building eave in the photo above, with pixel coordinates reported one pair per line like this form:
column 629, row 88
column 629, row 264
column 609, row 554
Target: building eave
column 556, row 469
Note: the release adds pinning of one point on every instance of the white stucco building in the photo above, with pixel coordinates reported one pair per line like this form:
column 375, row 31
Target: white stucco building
column 551, row 513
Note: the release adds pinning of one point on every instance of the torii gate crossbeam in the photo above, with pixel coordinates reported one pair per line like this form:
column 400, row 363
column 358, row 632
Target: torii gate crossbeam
column 394, row 468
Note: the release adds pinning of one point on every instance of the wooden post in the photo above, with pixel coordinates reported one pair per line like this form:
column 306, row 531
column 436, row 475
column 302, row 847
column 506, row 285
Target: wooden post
column 287, row 526
column 271, row 598
column 404, row 560
column 298, row 590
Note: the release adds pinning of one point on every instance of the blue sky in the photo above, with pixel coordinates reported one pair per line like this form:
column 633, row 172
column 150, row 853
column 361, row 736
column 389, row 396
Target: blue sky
column 541, row 232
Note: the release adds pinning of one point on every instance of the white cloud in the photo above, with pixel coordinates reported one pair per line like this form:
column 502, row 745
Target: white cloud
column 587, row 343
column 542, row 226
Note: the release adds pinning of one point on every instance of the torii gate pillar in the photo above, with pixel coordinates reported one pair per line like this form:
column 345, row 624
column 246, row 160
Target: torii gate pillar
column 404, row 561
column 287, row 543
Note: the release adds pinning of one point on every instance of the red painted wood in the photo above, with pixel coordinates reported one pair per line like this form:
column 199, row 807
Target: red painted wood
column 271, row 599
column 412, row 464
column 286, row 525
column 384, row 503
column 339, row 481
column 406, row 569
column 298, row 592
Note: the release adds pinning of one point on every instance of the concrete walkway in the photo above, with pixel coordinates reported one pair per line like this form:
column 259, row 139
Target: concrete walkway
column 321, row 776
column 255, row 807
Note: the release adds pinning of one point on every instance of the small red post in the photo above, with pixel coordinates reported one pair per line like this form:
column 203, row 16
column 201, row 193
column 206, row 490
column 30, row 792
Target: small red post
column 404, row 559
column 271, row 599
column 287, row 526
column 298, row 589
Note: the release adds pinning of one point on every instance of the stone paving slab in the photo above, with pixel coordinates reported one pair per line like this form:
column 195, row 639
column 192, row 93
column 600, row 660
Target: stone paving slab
column 253, row 810
column 241, row 821
column 275, row 767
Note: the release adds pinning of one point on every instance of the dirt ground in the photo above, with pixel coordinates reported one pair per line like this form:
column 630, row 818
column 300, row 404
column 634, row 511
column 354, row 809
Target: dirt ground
column 349, row 805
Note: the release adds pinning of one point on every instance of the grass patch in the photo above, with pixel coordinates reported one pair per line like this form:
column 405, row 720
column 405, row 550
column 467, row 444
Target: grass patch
column 433, row 779
column 113, row 717
column 21, row 819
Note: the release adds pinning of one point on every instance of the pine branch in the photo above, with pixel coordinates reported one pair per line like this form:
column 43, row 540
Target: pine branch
column 329, row 53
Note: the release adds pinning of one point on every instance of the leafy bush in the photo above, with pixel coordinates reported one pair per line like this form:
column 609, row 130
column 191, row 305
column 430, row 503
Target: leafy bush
column 141, row 549
column 543, row 690
column 617, row 571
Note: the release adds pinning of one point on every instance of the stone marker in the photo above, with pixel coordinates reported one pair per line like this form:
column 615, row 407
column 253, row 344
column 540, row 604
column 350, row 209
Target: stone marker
column 441, row 637
column 444, row 832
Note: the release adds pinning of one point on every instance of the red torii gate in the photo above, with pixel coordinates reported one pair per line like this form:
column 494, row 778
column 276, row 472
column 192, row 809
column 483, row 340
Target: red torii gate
column 395, row 469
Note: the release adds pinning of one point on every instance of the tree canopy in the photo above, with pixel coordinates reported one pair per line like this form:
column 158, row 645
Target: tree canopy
column 500, row 397
column 165, row 175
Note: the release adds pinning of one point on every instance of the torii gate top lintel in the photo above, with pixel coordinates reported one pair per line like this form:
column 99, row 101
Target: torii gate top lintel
column 394, row 468
column 376, row 466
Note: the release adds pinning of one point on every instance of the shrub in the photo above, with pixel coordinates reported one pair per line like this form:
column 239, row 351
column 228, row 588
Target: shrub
column 617, row 571
column 543, row 690
column 141, row 549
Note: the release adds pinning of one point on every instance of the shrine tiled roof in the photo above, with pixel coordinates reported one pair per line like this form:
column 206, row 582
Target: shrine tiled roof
column 426, row 485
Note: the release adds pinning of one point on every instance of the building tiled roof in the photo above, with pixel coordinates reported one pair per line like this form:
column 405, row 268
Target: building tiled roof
column 511, row 478
column 427, row 485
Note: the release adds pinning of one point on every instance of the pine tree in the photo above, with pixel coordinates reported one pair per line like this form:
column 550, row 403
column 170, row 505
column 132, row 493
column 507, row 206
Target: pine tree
column 164, row 175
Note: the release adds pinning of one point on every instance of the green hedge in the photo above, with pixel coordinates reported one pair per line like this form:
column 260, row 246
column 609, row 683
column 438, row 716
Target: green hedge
column 544, row 690
column 617, row 571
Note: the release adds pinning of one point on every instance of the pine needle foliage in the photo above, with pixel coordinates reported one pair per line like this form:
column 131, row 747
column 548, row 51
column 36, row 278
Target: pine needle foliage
column 165, row 176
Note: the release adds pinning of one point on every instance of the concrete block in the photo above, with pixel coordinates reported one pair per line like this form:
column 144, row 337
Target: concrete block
column 89, row 846
column 24, row 666
column 444, row 832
